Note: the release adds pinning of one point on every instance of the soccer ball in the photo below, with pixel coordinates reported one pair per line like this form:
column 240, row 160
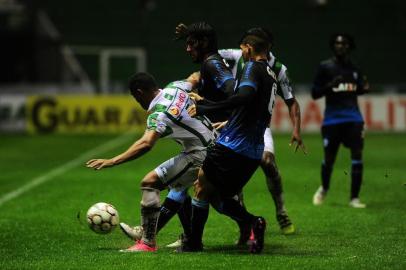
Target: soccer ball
column 102, row 217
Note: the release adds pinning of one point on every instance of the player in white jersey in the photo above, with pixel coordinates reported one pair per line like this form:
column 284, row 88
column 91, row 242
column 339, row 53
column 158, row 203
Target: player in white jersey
column 268, row 164
column 167, row 117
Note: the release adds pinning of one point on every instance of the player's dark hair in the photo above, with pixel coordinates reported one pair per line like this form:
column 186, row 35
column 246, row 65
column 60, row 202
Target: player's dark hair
column 258, row 44
column 260, row 32
column 143, row 81
column 204, row 35
column 346, row 36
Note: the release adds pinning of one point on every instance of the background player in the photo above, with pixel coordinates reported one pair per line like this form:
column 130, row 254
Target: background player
column 168, row 117
column 340, row 81
column 268, row 163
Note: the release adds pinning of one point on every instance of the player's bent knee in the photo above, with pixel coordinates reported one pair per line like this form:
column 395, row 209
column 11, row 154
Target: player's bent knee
column 150, row 197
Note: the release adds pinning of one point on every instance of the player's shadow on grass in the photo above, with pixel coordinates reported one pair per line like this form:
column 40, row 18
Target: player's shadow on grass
column 269, row 249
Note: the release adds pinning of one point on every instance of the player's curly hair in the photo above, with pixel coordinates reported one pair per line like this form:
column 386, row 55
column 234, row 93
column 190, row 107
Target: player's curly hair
column 348, row 37
column 203, row 34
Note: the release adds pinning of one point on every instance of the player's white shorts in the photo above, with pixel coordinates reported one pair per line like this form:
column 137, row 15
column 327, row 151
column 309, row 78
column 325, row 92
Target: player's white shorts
column 181, row 171
column 268, row 141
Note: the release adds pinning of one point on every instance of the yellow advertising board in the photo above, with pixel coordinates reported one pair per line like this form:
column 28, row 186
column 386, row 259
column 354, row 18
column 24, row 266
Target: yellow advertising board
column 84, row 114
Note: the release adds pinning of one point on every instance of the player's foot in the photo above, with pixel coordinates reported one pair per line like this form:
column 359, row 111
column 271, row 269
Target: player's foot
column 134, row 233
column 140, row 246
column 178, row 242
column 356, row 203
column 256, row 242
column 285, row 224
column 319, row 196
column 245, row 232
column 189, row 246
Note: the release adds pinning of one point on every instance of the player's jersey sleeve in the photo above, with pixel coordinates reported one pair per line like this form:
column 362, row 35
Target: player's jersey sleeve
column 230, row 54
column 320, row 82
column 183, row 85
column 248, row 78
column 221, row 75
column 160, row 123
column 285, row 87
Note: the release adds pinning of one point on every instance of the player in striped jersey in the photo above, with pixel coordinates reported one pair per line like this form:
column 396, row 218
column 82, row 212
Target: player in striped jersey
column 167, row 117
column 268, row 164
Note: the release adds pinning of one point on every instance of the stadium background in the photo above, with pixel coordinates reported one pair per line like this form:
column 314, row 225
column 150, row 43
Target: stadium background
column 63, row 71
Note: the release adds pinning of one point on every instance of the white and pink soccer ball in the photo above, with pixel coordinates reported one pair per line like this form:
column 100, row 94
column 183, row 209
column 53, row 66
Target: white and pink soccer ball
column 102, row 217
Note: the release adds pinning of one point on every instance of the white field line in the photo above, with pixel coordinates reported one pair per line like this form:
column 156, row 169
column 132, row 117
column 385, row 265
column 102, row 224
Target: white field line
column 110, row 145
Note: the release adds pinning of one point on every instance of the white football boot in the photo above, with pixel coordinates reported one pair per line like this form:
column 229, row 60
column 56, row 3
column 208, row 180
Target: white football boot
column 356, row 203
column 134, row 233
column 319, row 196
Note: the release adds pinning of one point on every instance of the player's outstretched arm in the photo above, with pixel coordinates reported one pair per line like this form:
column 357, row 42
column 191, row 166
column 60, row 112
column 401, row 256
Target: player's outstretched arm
column 294, row 114
column 139, row 148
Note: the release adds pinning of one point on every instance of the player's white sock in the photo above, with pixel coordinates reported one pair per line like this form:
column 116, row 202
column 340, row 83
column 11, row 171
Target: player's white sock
column 149, row 214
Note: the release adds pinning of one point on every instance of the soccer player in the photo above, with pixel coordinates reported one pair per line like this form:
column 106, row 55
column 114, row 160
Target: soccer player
column 268, row 163
column 168, row 117
column 238, row 151
column 216, row 82
column 341, row 81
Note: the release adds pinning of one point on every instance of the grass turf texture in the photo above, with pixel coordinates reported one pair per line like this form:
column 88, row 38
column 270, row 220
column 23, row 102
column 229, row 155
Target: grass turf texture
column 40, row 229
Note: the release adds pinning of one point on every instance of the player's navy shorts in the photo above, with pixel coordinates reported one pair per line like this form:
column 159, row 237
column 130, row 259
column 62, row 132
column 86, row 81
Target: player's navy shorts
column 350, row 134
column 227, row 170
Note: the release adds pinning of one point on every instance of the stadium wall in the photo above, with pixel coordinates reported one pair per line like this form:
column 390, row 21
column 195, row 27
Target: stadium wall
column 118, row 113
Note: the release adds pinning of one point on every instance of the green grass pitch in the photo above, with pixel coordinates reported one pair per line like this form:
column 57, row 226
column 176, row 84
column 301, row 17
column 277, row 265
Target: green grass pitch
column 39, row 229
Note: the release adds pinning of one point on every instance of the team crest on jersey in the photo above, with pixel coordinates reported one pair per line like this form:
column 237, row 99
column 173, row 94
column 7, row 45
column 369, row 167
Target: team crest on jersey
column 174, row 111
column 355, row 74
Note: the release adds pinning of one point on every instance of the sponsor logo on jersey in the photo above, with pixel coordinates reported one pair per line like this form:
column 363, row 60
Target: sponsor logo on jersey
column 174, row 111
column 179, row 104
column 345, row 87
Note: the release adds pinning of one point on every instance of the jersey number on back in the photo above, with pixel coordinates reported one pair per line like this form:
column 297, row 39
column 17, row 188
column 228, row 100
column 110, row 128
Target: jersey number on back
column 272, row 98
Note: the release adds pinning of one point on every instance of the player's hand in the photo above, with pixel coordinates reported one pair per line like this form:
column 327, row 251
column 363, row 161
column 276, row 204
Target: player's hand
column 99, row 164
column 180, row 31
column 195, row 97
column 297, row 142
column 194, row 78
column 219, row 125
column 192, row 110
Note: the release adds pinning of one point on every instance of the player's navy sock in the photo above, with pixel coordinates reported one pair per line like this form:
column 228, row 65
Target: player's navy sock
column 326, row 171
column 235, row 211
column 356, row 177
column 200, row 213
column 168, row 209
column 185, row 216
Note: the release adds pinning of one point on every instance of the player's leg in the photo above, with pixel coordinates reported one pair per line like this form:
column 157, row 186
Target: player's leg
column 330, row 146
column 355, row 142
column 200, row 214
column 274, row 183
column 228, row 174
column 170, row 207
column 150, row 206
column 185, row 217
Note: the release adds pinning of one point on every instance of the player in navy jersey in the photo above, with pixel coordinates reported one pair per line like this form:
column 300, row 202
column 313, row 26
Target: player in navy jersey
column 340, row 81
column 268, row 163
column 216, row 83
column 238, row 151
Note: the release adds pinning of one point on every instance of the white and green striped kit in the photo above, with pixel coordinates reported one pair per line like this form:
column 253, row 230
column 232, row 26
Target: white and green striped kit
column 168, row 116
